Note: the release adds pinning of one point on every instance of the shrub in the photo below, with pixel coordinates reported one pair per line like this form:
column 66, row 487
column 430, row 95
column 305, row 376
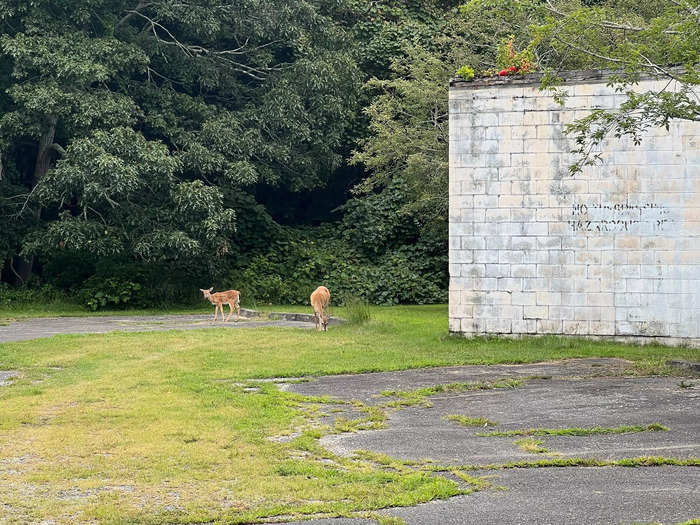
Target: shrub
column 357, row 311
column 293, row 268
column 98, row 293
column 466, row 73
column 25, row 295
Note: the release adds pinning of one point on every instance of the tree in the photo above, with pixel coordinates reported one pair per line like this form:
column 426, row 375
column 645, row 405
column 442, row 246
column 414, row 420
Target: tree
column 382, row 30
column 658, row 39
column 404, row 199
column 143, row 117
column 409, row 134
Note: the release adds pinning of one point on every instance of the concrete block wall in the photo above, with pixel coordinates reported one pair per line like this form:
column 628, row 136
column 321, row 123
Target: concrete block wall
column 614, row 251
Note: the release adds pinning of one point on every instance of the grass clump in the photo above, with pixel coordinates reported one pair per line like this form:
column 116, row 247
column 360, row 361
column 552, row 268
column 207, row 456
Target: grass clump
column 471, row 421
column 418, row 396
column 383, row 461
column 531, row 445
column 641, row 461
column 654, row 427
column 357, row 310
column 375, row 419
column 475, row 483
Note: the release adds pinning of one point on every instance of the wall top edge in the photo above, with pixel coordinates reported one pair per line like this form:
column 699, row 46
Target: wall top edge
column 568, row 77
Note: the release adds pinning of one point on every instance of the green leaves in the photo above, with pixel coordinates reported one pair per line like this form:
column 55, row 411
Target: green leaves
column 127, row 199
column 73, row 59
column 99, row 294
column 107, row 167
column 658, row 38
column 74, row 234
column 139, row 129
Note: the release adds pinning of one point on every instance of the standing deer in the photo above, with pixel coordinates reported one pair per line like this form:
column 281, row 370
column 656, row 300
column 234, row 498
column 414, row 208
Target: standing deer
column 231, row 297
column 319, row 301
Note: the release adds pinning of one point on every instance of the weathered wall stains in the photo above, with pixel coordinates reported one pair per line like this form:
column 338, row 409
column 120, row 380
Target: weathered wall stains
column 614, row 251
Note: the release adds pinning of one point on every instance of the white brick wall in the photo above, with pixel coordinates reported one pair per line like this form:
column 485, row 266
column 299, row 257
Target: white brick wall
column 614, row 251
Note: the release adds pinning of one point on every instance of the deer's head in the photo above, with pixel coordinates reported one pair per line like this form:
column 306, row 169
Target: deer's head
column 207, row 293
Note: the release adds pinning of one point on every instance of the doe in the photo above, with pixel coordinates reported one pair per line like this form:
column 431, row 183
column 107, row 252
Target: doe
column 319, row 301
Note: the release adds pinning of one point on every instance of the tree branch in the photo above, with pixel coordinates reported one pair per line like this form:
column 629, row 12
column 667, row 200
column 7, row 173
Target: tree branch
column 589, row 52
column 142, row 4
column 12, row 267
column 606, row 23
column 193, row 51
column 57, row 148
column 695, row 11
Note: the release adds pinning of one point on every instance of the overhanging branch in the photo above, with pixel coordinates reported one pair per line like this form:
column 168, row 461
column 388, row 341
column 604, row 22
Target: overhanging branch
column 193, row 50
column 607, row 24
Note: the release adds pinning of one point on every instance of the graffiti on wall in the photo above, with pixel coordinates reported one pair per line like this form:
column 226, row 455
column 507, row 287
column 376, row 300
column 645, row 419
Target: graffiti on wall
column 619, row 217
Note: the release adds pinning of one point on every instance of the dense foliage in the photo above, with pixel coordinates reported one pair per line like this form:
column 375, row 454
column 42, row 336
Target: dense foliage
column 656, row 38
column 150, row 148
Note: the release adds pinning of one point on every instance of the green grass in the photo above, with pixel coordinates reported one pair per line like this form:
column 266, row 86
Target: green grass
column 641, row 461
column 531, row 445
column 420, row 395
column 627, row 429
column 68, row 309
column 156, row 428
column 357, row 310
column 429, row 466
column 471, row 421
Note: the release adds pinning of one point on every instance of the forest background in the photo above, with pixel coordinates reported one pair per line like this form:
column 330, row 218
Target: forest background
column 149, row 148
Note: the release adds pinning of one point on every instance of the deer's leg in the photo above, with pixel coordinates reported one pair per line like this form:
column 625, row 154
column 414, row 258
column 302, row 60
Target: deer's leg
column 238, row 310
column 216, row 311
column 230, row 305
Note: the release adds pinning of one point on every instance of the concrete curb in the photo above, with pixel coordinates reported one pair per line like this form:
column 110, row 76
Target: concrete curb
column 287, row 316
column 685, row 365
column 304, row 318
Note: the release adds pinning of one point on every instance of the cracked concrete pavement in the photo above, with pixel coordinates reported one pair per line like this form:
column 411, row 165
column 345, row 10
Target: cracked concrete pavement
column 576, row 393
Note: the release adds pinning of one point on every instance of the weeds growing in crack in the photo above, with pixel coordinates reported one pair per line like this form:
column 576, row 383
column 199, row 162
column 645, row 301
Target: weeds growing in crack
column 471, row 421
column 385, row 462
column 653, row 427
column 531, row 445
column 475, row 483
column 419, row 397
column 641, row 461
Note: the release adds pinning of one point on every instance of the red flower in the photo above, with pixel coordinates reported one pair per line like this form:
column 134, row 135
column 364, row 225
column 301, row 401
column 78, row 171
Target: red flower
column 511, row 69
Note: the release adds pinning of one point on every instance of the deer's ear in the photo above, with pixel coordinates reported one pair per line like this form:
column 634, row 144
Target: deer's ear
column 210, row 289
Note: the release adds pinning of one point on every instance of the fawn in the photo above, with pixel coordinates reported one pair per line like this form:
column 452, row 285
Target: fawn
column 319, row 301
column 218, row 299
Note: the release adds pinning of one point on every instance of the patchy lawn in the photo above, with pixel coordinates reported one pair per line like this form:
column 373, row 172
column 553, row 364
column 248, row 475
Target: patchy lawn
column 174, row 427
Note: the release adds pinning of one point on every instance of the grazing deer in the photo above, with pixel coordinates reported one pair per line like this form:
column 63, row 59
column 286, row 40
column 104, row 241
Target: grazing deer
column 218, row 299
column 319, row 301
